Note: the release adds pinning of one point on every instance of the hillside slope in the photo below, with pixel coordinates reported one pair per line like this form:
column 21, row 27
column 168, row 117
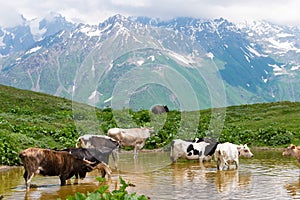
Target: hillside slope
column 30, row 119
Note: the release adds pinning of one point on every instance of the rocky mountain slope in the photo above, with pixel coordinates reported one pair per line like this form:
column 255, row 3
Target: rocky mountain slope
column 138, row 62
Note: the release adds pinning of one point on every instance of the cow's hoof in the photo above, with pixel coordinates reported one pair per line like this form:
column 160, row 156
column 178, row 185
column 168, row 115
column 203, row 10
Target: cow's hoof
column 33, row 186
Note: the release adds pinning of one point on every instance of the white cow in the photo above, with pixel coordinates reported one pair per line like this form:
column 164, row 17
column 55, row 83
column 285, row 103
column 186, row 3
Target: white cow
column 228, row 153
column 192, row 150
column 132, row 137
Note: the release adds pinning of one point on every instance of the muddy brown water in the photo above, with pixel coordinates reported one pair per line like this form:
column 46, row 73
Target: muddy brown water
column 268, row 175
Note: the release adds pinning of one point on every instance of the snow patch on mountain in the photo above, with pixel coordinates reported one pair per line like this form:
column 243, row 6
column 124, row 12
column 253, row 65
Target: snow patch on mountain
column 279, row 70
column 186, row 61
column 210, row 55
column 34, row 49
column 90, row 31
column 282, row 47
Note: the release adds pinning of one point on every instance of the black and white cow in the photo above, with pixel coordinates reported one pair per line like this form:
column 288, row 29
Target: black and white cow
column 192, row 150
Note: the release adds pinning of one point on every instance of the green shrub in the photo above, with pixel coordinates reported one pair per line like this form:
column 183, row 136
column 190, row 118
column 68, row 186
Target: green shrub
column 262, row 137
column 274, row 137
column 102, row 193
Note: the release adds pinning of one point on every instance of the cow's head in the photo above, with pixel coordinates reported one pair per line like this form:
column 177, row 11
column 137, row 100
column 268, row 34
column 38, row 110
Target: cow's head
column 80, row 143
column 245, row 151
column 166, row 108
column 151, row 131
column 290, row 150
column 86, row 167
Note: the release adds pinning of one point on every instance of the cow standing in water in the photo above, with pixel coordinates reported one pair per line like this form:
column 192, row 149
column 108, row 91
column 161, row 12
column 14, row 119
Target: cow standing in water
column 55, row 163
column 200, row 149
column 158, row 109
column 91, row 154
column 103, row 146
column 293, row 151
column 132, row 137
column 228, row 153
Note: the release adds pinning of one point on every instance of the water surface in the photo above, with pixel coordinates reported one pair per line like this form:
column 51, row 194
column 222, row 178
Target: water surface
column 268, row 175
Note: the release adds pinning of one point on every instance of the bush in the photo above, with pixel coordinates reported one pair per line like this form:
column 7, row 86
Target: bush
column 274, row 137
column 262, row 137
column 102, row 193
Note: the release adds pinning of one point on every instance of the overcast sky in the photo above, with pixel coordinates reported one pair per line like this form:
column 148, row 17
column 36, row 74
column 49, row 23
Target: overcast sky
column 96, row 11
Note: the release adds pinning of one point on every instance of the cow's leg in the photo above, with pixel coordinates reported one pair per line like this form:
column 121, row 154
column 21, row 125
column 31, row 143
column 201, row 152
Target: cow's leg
column 173, row 158
column 28, row 176
column 29, row 180
column 115, row 157
column 222, row 164
column 201, row 162
column 229, row 164
column 62, row 180
column 218, row 164
column 135, row 152
column 236, row 163
column 69, row 182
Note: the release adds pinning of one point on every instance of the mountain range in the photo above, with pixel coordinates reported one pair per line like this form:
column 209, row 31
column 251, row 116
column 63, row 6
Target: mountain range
column 137, row 62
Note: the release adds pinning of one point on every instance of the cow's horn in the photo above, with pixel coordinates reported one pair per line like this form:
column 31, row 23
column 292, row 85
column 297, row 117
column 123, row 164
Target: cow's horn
column 88, row 162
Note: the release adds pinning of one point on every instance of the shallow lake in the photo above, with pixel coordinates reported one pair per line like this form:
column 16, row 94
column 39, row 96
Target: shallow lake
column 268, row 175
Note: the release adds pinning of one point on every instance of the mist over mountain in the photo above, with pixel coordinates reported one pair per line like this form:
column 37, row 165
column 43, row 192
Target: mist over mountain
column 137, row 62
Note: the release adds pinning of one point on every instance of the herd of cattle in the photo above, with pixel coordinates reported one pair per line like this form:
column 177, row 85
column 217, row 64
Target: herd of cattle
column 93, row 151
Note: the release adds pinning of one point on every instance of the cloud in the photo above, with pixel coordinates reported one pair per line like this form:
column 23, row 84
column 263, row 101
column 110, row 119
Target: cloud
column 96, row 11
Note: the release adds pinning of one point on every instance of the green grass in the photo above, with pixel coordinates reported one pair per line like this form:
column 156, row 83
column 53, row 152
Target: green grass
column 30, row 119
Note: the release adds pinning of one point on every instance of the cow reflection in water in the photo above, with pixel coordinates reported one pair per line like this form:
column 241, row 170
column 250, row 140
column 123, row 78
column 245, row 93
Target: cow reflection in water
column 293, row 189
column 56, row 192
column 228, row 181
column 189, row 172
column 223, row 181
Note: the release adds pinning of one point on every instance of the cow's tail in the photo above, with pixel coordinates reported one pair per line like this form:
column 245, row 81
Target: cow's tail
column 172, row 151
column 211, row 149
column 115, row 157
column 103, row 166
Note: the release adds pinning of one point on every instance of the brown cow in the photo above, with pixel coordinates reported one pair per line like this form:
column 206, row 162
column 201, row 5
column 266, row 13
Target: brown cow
column 55, row 163
column 294, row 151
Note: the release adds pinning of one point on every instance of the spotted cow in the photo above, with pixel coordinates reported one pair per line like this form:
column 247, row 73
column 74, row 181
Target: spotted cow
column 192, row 150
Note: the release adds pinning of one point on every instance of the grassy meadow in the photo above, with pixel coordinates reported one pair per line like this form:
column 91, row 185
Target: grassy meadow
column 30, row 119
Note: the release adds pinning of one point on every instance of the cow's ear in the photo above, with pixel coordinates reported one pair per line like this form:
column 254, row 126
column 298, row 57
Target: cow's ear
column 293, row 146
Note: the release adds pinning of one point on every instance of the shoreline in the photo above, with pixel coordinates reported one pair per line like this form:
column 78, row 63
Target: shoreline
column 6, row 167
